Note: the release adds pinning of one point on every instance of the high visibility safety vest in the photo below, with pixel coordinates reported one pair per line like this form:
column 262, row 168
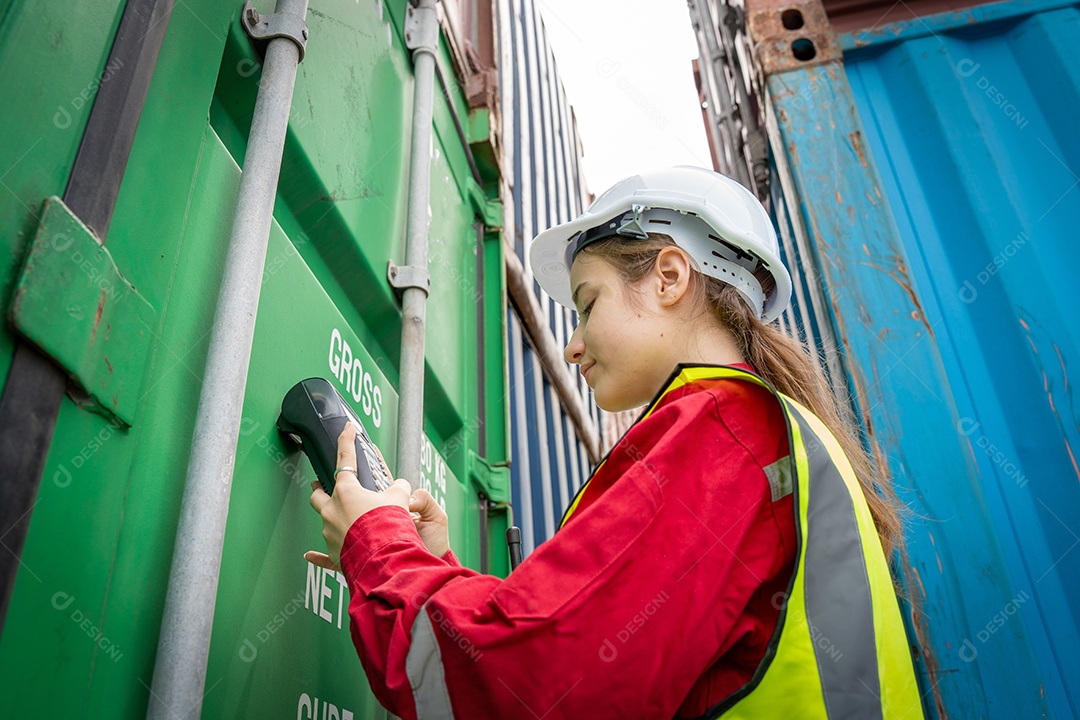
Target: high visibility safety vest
column 839, row 649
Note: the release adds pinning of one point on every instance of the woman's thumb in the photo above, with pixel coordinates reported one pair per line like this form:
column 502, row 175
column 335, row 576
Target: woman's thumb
column 419, row 499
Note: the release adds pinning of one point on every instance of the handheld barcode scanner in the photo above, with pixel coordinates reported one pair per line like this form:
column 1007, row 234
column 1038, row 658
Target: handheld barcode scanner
column 313, row 413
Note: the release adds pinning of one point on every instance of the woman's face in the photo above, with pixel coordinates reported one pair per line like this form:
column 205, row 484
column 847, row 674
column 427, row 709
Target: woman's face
column 619, row 342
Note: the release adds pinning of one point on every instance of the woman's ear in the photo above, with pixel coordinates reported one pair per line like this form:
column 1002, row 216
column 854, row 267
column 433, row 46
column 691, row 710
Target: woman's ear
column 671, row 275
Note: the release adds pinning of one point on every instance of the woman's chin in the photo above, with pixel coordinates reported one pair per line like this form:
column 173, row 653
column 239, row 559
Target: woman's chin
column 612, row 404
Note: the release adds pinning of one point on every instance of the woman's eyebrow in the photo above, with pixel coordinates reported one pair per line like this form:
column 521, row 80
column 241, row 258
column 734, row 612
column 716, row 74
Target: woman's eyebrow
column 577, row 290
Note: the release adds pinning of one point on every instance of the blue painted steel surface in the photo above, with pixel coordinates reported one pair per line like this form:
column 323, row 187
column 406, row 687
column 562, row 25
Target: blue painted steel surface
column 936, row 176
column 978, row 129
column 540, row 144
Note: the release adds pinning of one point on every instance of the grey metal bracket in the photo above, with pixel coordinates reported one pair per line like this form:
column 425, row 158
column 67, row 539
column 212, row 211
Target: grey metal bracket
column 421, row 28
column 264, row 28
column 403, row 277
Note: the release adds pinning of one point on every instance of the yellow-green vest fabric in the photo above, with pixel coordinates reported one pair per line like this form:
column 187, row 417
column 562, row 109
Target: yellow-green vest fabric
column 840, row 650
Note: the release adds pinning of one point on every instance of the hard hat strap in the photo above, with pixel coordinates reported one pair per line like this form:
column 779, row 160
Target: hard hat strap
column 627, row 224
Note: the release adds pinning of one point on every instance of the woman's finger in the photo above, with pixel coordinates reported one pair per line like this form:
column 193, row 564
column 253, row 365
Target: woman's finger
column 321, row 559
column 424, row 503
column 319, row 498
column 401, row 488
column 346, row 454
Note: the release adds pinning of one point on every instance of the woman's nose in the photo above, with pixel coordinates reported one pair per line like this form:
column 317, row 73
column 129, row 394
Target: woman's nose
column 575, row 349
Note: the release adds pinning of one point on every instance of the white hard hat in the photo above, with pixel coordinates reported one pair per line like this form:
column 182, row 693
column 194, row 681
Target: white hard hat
column 715, row 219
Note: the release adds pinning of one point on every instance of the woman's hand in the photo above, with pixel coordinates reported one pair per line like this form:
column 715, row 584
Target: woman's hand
column 431, row 522
column 430, row 519
column 349, row 501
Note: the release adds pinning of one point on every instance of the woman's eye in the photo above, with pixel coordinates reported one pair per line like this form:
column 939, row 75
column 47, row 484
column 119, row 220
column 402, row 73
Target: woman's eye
column 588, row 308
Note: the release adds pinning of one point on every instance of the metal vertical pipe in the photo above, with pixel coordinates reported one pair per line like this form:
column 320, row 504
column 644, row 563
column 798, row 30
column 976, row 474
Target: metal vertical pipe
column 184, row 643
column 422, row 37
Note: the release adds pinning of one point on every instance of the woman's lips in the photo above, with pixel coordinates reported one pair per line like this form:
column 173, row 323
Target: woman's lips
column 585, row 371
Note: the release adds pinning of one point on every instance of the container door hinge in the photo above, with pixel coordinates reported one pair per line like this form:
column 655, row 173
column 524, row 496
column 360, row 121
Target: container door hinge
column 402, row 277
column 488, row 210
column 74, row 303
column 791, row 36
column 492, row 480
column 264, row 28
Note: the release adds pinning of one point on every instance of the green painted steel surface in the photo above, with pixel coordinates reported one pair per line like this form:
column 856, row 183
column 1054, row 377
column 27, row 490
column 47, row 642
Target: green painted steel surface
column 81, row 633
column 69, row 298
column 54, row 61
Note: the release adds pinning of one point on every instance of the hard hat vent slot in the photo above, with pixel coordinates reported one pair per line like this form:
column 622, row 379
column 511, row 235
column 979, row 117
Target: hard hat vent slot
column 739, row 252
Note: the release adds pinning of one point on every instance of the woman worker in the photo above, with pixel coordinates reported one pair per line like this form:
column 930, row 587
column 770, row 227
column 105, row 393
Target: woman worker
column 726, row 559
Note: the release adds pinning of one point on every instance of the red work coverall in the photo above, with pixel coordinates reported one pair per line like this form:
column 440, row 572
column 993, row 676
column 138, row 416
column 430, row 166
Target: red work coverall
column 656, row 599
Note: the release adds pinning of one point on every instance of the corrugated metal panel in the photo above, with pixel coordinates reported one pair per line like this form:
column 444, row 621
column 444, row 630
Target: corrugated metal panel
column 541, row 146
column 851, row 15
column 923, row 188
column 88, row 619
column 972, row 119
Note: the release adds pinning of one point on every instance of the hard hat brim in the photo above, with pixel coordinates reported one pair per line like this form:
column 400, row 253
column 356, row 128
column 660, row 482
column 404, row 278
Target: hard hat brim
column 547, row 258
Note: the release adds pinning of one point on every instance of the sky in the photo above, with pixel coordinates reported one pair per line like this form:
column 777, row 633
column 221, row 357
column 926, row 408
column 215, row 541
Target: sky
column 626, row 69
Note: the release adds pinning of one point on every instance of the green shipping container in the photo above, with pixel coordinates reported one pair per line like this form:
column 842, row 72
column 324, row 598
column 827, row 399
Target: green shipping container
column 130, row 323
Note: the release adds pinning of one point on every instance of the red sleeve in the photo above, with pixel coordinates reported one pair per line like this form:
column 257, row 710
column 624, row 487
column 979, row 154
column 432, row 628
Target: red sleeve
column 617, row 615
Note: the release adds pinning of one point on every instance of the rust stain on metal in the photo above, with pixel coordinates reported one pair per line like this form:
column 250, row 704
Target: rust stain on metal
column 1046, row 387
column 775, row 46
column 900, row 275
column 971, row 451
column 839, row 200
column 97, row 317
column 108, row 365
column 856, row 144
column 1064, row 372
column 923, row 648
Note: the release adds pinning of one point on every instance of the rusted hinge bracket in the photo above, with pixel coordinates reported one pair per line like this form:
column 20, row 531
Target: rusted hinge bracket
column 73, row 302
column 788, row 35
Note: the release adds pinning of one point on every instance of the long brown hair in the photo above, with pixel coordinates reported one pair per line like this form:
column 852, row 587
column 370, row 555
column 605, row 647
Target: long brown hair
column 783, row 361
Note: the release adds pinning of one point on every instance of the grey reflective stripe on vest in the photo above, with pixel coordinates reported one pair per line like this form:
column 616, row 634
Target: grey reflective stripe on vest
column 839, row 611
column 424, row 668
